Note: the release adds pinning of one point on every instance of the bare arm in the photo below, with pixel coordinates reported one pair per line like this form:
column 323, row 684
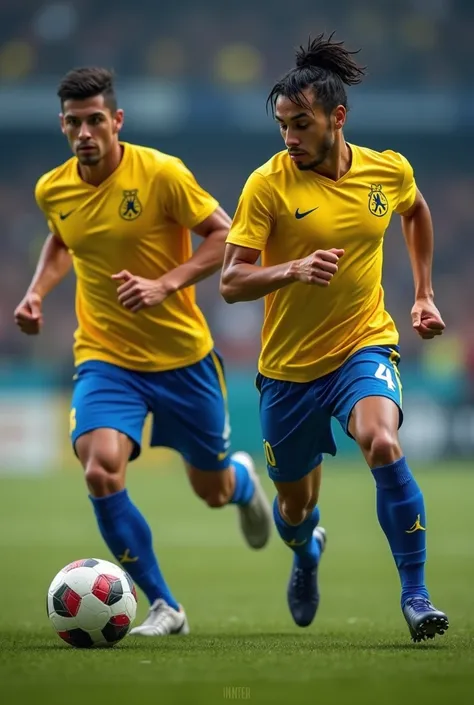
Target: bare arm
column 243, row 280
column 418, row 232
column 53, row 265
column 137, row 292
column 208, row 257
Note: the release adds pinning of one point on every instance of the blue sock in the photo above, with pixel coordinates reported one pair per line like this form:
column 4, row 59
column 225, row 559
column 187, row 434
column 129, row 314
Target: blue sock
column 401, row 513
column 299, row 538
column 128, row 536
column 244, row 486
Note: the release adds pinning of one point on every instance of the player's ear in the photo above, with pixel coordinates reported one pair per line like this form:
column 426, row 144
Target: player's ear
column 339, row 116
column 62, row 123
column 118, row 120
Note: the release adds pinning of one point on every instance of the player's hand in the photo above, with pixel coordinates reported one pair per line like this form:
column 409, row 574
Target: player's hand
column 136, row 293
column 427, row 319
column 319, row 268
column 28, row 314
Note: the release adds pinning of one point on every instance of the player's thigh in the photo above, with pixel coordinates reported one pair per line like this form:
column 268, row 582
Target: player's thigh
column 296, row 430
column 108, row 410
column 367, row 395
column 190, row 415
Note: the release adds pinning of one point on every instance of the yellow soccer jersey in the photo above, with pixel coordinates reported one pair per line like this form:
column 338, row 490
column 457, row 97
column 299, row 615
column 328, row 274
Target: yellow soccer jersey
column 138, row 219
column 287, row 214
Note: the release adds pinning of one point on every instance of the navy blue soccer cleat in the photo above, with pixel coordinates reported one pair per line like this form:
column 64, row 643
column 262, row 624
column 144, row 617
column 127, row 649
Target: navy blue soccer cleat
column 423, row 619
column 303, row 593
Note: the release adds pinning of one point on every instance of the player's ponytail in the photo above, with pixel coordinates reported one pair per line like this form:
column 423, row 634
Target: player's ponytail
column 332, row 57
column 324, row 65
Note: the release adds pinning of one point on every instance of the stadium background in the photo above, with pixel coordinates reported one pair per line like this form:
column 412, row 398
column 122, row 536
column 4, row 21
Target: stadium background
column 193, row 78
column 194, row 83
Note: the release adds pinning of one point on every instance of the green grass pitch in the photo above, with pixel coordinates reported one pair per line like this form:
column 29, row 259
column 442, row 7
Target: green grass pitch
column 243, row 644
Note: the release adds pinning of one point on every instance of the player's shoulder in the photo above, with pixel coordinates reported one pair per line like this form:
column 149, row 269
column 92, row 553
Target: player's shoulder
column 388, row 159
column 268, row 176
column 55, row 178
column 274, row 167
column 153, row 159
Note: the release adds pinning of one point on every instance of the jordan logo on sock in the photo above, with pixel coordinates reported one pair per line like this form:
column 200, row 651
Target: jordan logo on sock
column 294, row 543
column 126, row 557
column 416, row 526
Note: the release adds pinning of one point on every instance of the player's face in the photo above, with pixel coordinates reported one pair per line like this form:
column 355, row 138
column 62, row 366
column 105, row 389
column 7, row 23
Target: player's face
column 309, row 133
column 91, row 128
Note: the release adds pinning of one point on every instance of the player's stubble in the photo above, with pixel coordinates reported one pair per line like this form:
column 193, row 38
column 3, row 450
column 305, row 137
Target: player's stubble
column 327, row 144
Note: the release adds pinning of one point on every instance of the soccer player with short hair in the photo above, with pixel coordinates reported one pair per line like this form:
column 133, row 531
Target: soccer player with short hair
column 121, row 214
column 317, row 213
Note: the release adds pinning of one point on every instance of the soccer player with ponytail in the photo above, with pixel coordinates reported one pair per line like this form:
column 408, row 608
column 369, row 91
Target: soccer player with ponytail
column 317, row 213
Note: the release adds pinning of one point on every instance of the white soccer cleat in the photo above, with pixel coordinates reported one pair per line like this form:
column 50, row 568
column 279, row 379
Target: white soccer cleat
column 162, row 620
column 256, row 517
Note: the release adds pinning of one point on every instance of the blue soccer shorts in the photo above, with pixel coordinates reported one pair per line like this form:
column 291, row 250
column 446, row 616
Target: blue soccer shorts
column 296, row 416
column 188, row 405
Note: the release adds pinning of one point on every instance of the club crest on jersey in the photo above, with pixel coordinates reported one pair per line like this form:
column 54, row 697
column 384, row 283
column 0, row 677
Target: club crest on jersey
column 130, row 207
column 378, row 203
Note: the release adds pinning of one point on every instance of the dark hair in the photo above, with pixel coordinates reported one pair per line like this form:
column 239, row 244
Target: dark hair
column 88, row 82
column 324, row 65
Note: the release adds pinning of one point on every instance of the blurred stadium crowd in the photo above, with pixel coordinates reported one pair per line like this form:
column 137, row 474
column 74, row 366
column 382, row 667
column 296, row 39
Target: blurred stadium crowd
column 427, row 46
column 414, row 42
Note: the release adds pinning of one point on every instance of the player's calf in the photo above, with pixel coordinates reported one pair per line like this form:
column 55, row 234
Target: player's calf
column 214, row 487
column 238, row 484
column 104, row 454
column 255, row 514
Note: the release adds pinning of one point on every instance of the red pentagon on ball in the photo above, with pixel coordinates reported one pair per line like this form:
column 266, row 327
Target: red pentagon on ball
column 107, row 588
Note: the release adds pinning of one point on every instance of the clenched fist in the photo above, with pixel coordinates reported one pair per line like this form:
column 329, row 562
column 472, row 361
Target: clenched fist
column 135, row 293
column 319, row 268
column 28, row 314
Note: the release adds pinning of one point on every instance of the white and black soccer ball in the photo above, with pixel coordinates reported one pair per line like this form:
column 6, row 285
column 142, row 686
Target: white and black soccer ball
column 91, row 603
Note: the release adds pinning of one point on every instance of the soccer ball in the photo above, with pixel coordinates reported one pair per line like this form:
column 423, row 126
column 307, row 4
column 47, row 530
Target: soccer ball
column 91, row 602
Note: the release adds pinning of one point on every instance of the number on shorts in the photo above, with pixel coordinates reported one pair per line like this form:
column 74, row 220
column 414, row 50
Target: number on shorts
column 383, row 372
column 269, row 454
column 72, row 421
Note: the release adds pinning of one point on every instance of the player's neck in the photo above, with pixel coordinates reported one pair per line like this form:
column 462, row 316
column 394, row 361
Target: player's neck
column 338, row 162
column 97, row 174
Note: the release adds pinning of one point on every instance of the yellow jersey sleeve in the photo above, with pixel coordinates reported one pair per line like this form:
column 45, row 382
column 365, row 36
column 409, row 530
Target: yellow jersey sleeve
column 186, row 202
column 41, row 202
column 408, row 186
column 255, row 214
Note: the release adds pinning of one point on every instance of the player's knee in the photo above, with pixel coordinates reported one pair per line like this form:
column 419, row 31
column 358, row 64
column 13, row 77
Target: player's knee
column 104, row 454
column 381, row 447
column 103, row 476
column 295, row 510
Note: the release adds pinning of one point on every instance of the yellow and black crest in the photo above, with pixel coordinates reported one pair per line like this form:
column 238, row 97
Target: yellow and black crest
column 378, row 203
column 130, row 207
